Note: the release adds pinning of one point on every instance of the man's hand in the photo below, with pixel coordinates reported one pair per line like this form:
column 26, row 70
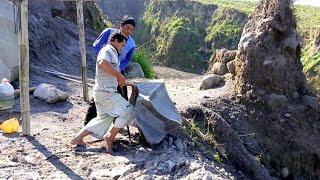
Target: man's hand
column 132, row 84
column 121, row 80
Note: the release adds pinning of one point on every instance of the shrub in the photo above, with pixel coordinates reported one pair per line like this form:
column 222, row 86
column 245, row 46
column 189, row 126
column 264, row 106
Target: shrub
column 143, row 57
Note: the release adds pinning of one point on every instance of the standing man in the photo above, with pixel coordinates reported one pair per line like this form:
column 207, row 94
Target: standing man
column 127, row 27
column 111, row 106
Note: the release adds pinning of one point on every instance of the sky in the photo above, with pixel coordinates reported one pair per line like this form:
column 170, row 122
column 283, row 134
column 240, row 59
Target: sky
column 305, row 2
column 308, row 2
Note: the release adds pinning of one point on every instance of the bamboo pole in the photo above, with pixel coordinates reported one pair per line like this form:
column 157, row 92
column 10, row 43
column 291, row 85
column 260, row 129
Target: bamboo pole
column 82, row 49
column 24, row 68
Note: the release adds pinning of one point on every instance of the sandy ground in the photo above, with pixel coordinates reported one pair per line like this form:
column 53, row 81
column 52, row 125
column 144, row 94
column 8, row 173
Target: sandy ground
column 47, row 154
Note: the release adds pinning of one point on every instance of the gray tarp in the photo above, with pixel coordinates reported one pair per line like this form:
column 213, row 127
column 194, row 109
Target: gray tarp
column 9, row 48
column 155, row 113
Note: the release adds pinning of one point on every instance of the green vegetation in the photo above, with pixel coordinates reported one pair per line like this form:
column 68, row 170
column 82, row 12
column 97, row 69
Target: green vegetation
column 99, row 22
column 308, row 17
column 194, row 131
column 184, row 34
column 143, row 58
column 216, row 157
column 246, row 7
column 311, row 63
column 224, row 30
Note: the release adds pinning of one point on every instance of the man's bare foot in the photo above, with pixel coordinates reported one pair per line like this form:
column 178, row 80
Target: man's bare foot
column 109, row 144
column 77, row 141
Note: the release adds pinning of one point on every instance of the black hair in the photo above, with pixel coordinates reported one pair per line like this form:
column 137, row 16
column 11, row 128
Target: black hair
column 118, row 36
column 128, row 20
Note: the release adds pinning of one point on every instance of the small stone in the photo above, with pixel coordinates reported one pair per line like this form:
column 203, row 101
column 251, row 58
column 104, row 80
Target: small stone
column 30, row 159
column 232, row 116
column 208, row 177
column 170, row 165
column 287, row 115
column 178, row 144
column 15, row 159
column 284, row 172
column 182, row 162
column 194, row 166
column 221, row 170
column 187, row 163
column 170, row 141
column 149, row 177
column 282, row 120
column 159, row 168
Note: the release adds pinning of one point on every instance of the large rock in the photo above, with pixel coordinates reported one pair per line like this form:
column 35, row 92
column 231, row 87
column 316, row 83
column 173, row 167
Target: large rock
column 210, row 81
column 219, row 60
column 50, row 93
column 269, row 52
column 155, row 113
column 9, row 48
column 134, row 70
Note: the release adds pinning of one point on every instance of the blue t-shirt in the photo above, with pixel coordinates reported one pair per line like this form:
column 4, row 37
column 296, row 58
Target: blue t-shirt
column 126, row 53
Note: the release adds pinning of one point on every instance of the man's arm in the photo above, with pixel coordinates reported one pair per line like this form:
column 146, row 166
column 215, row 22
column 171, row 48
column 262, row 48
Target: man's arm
column 125, row 63
column 101, row 41
column 107, row 68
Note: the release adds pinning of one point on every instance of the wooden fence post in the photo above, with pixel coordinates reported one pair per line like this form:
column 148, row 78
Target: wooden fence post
column 82, row 49
column 24, row 68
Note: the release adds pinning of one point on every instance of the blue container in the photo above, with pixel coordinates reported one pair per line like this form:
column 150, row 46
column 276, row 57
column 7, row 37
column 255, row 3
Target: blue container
column 6, row 95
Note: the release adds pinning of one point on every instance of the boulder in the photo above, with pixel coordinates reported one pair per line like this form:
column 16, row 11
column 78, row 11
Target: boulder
column 210, row 81
column 155, row 114
column 311, row 102
column 219, row 68
column 269, row 52
column 9, row 58
column 276, row 100
column 134, row 70
column 50, row 93
column 231, row 67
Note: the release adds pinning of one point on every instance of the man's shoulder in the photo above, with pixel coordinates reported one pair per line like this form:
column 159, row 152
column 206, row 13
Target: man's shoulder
column 107, row 48
column 131, row 42
column 109, row 30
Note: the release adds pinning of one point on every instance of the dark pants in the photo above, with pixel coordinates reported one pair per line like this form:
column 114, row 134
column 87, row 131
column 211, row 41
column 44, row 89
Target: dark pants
column 92, row 110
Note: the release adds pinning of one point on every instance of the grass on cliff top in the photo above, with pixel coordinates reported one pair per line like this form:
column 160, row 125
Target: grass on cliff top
column 243, row 6
column 311, row 66
column 307, row 16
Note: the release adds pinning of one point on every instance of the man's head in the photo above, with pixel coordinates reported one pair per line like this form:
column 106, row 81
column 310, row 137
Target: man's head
column 118, row 40
column 127, row 25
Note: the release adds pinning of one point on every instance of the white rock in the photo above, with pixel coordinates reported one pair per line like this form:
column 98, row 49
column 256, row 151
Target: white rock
column 50, row 93
column 287, row 115
column 194, row 166
column 210, row 81
column 284, row 172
